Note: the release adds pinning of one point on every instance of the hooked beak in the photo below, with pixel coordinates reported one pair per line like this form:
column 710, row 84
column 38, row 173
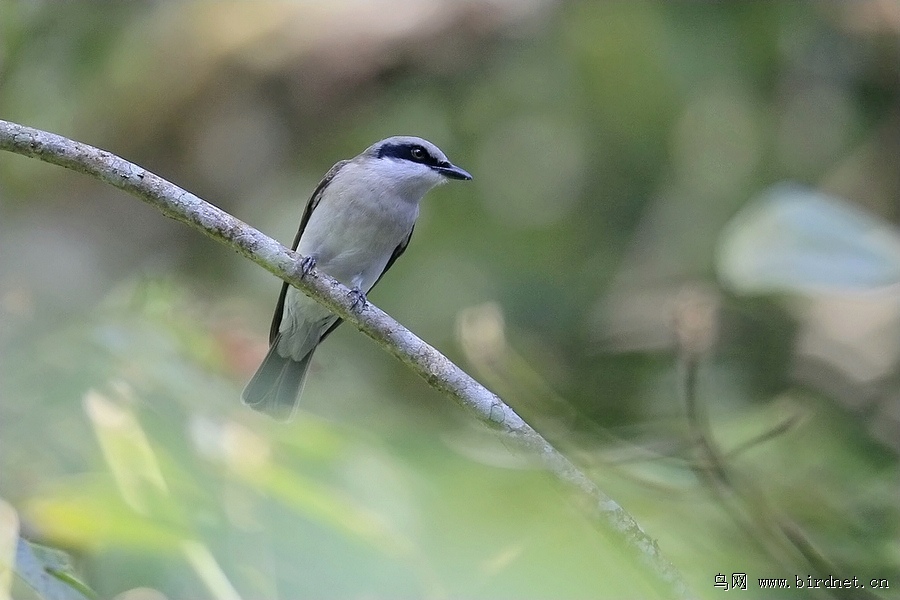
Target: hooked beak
column 451, row 171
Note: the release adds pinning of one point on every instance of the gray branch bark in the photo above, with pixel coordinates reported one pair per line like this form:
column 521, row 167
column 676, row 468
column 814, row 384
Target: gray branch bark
column 423, row 359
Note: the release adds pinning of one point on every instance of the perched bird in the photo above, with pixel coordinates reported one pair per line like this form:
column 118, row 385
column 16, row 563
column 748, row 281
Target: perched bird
column 356, row 224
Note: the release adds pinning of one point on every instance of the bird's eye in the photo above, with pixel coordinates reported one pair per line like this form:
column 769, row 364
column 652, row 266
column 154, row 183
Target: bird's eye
column 418, row 153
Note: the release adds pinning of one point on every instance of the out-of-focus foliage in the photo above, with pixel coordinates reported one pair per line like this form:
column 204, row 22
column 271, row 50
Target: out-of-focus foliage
column 48, row 573
column 612, row 144
column 798, row 242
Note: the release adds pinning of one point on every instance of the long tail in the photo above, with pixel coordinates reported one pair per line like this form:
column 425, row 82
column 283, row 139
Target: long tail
column 275, row 387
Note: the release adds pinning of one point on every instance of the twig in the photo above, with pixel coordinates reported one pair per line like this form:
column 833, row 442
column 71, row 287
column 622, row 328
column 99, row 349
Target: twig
column 744, row 501
column 427, row 362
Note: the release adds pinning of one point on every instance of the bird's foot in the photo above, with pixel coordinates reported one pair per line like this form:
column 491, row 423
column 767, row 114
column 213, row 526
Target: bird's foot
column 359, row 299
column 307, row 264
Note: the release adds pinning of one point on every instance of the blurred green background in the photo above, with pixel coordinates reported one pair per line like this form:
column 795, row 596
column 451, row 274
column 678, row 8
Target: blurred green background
column 654, row 182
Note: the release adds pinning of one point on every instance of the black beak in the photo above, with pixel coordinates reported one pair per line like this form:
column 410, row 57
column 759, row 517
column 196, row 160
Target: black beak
column 451, row 171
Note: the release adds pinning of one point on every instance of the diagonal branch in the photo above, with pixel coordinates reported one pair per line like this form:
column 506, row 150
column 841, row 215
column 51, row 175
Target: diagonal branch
column 423, row 359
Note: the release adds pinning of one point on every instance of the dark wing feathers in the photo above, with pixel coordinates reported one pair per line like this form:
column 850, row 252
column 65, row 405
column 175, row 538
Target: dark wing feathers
column 400, row 249
column 310, row 207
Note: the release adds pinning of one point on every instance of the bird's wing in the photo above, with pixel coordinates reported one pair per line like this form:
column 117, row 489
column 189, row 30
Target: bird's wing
column 400, row 249
column 310, row 207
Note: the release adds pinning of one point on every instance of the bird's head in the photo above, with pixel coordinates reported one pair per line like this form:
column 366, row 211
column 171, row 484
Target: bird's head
column 413, row 162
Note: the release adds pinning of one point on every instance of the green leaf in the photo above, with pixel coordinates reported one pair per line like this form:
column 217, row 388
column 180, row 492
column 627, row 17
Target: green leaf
column 798, row 240
column 49, row 573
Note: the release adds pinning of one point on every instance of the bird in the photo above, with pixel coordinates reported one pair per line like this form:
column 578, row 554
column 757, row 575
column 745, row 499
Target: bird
column 356, row 224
